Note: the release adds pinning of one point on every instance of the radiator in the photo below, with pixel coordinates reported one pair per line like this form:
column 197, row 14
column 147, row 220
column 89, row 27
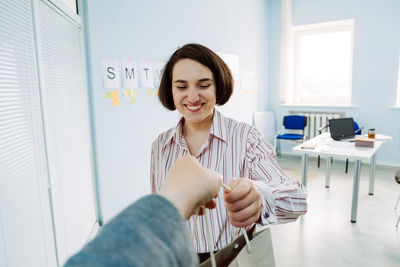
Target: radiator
column 316, row 120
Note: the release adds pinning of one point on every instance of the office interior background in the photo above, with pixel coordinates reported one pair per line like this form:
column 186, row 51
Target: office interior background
column 74, row 152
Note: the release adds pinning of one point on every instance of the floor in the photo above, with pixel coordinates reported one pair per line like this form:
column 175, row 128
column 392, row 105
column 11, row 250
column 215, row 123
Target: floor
column 325, row 236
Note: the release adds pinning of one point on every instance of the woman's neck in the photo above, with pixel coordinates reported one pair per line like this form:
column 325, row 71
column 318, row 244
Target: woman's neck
column 200, row 128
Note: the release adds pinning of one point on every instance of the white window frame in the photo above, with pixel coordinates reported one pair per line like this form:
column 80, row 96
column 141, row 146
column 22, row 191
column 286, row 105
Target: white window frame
column 66, row 9
column 290, row 47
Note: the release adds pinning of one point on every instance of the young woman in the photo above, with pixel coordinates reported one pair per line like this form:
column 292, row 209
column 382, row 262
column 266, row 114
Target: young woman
column 194, row 80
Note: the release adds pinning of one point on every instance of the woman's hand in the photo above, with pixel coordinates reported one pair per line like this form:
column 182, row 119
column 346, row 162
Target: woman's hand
column 189, row 185
column 243, row 203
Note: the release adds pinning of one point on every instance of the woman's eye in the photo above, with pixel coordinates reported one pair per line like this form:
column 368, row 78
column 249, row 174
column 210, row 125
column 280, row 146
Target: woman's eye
column 181, row 87
column 205, row 86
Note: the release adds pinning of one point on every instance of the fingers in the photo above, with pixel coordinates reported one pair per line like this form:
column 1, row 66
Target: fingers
column 208, row 186
column 201, row 211
column 245, row 217
column 211, row 205
column 189, row 185
column 243, row 203
column 240, row 188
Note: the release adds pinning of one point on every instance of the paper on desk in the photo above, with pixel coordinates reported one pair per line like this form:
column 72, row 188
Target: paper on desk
column 339, row 147
column 308, row 146
column 341, row 144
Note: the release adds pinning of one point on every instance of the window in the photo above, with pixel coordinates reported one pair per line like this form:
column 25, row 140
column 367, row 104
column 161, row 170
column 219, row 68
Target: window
column 64, row 96
column 72, row 5
column 321, row 65
column 46, row 175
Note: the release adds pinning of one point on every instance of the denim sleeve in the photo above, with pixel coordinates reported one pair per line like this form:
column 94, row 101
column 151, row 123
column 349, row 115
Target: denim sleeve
column 150, row 232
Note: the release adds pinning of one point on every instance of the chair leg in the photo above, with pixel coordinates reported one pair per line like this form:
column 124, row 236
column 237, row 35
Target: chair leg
column 278, row 147
column 397, row 202
column 319, row 160
column 347, row 164
column 398, row 220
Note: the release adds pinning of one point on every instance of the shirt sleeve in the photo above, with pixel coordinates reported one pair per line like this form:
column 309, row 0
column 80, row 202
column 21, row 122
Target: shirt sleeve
column 283, row 199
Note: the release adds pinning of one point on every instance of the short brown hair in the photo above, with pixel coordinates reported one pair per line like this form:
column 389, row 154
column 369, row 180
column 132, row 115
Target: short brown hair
column 205, row 56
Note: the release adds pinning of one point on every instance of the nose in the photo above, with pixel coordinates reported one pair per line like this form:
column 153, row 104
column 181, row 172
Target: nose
column 193, row 95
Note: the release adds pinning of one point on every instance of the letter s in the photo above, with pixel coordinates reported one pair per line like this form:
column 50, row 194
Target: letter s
column 111, row 70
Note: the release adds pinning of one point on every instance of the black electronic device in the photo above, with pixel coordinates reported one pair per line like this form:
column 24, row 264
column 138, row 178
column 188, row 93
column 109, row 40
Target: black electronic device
column 342, row 129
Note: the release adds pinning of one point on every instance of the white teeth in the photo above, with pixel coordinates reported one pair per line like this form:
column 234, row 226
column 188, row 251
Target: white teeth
column 193, row 107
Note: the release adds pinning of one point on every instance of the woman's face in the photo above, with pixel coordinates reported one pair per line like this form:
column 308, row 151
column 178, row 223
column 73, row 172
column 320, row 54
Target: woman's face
column 193, row 90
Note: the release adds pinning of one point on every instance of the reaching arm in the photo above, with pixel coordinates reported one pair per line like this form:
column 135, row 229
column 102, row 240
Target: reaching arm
column 151, row 231
column 283, row 199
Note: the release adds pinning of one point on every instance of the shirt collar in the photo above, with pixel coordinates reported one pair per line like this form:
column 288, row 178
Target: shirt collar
column 175, row 133
column 219, row 126
column 218, row 129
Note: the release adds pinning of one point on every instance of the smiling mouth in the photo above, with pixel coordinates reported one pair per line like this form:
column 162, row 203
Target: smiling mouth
column 194, row 108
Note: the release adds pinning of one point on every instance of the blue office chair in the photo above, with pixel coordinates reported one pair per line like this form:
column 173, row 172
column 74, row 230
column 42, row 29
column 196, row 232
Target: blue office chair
column 291, row 123
column 357, row 131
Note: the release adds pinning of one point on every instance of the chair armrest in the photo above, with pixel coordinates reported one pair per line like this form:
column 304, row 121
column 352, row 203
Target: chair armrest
column 358, row 131
column 322, row 128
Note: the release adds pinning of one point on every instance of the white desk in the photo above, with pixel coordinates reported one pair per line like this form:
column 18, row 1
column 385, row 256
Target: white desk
column 327, row 147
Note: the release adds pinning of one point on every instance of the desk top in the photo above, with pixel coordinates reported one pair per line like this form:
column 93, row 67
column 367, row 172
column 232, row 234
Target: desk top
column 326, row 146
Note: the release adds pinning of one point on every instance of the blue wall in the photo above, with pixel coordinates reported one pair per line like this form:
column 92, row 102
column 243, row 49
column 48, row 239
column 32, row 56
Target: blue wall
column 152, row 30
column 375, row 66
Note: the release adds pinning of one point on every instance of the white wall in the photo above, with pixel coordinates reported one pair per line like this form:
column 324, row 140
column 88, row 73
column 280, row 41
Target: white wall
column 152, row 30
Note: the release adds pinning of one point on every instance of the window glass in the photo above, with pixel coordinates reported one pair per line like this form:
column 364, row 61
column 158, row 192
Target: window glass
column 72, row 5
column 322, row 56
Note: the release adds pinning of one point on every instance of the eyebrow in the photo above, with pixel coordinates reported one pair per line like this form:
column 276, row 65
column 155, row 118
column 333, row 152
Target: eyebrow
column 179, row 81
column 201, row 80
column 205, row 80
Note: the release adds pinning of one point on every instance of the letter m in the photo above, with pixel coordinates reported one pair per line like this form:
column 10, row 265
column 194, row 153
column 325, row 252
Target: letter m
column 130, row 75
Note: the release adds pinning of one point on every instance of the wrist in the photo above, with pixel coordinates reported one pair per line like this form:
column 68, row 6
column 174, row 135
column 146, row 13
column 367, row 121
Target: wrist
column 179, row 201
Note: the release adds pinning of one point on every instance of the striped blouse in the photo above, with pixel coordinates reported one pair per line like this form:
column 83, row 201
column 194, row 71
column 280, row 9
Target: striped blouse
column 233, row 149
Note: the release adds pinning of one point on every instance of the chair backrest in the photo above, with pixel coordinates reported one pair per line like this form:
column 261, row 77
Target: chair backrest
column 357, row 129
column 397, row 177
column 264, row 121
column 295, row 122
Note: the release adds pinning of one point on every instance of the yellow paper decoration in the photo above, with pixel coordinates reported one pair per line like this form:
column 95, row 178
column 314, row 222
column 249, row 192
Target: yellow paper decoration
column 115, row 102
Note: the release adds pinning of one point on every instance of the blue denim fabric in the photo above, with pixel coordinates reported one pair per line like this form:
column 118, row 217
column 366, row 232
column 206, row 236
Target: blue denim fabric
column 150, row 232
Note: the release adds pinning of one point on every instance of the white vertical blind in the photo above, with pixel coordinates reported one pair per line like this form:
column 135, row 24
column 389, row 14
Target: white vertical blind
column 67, row 127
column 26, row 237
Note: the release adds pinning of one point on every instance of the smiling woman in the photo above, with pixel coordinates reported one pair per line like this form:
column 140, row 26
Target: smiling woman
column 221, row 74
column 194, row 93
column 194, row 80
